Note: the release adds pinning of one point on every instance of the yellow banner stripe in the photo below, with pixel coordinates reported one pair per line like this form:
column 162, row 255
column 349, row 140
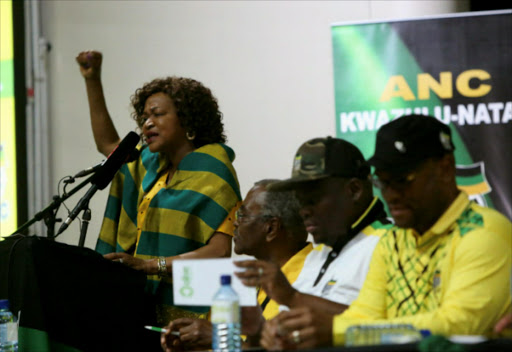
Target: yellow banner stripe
column 480, row 188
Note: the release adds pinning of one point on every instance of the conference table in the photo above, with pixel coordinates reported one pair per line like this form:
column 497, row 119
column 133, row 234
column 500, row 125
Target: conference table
column 492, row 345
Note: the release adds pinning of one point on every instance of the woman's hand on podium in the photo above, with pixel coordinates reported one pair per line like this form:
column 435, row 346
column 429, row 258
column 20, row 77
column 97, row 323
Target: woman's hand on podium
column 149, row 266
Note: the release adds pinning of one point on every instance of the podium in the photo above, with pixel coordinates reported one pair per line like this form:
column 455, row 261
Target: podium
column 73, row 297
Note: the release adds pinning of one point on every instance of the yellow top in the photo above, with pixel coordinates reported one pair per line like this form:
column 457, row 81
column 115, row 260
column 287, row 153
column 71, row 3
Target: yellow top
column 144, row 204
column 453, row 279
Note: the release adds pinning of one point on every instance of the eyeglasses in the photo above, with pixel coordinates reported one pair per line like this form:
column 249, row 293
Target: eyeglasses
column 239, row 216
column 398, row 183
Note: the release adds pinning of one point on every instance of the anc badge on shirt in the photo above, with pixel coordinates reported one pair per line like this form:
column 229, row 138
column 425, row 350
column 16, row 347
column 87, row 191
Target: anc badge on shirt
column 327, row 288
column 436, row 280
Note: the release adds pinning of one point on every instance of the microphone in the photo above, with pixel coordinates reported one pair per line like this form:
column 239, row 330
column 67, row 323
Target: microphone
column 134, row 155
column 89, row 170
column 104, row 174
column 116, row 159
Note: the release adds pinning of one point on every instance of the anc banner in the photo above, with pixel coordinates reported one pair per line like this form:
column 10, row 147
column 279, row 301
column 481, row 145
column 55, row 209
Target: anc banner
column 457, row 68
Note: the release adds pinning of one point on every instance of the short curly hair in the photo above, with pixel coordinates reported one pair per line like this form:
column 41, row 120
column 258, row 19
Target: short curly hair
column 196, row 107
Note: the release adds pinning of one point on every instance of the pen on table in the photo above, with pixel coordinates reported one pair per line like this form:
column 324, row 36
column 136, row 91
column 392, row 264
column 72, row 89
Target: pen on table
column 161, row 330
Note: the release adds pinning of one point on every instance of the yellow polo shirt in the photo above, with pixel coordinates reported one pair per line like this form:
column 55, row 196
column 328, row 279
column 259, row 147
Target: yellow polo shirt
column 453, row 279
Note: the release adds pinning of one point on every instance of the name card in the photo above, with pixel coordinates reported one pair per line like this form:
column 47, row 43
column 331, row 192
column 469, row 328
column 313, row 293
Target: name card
column 195, row 281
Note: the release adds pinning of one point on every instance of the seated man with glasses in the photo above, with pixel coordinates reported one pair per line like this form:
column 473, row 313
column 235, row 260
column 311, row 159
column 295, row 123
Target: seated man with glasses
column 444, row 267
column 267, row 226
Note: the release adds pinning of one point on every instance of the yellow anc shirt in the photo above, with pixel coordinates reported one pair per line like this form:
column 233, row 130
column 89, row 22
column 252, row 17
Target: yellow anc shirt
column 453, row 279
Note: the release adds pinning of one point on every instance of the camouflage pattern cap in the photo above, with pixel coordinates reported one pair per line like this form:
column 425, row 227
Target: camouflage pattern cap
column 320, row 158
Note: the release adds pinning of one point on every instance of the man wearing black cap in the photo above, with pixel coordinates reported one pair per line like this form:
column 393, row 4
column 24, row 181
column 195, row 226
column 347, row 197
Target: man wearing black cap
column 330, row 178
column 446, row 265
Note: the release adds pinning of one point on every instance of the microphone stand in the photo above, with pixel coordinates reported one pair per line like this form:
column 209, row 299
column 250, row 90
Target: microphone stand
column 86, row 217
column 49, row 213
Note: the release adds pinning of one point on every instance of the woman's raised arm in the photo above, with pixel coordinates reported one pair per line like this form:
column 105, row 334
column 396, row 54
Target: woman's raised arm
column 103, row 129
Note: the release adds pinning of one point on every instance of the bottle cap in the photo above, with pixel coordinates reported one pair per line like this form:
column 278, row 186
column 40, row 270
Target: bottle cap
column 425, row 333
column 4, row 304
column 225, row 279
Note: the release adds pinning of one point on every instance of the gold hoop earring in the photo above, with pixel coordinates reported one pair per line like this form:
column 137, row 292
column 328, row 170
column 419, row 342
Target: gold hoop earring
column 190, row 136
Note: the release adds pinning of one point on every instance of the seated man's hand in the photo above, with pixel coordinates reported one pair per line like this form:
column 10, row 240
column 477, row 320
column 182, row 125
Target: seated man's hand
column 269, row 277
column 270, row 339
column 194, row 334
column 297, row 329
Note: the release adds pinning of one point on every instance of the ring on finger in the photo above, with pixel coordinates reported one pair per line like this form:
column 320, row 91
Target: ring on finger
column 121, row 260
column 296, row 336
column 260, row 271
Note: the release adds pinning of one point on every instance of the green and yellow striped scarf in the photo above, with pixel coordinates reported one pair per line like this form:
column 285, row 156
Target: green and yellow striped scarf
column 181, row 217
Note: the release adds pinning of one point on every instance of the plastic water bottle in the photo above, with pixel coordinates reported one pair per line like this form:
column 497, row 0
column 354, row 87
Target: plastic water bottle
column 225, row 317
column 8, row 329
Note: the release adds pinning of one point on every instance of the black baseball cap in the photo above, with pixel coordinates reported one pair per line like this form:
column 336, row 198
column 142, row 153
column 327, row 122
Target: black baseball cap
column 405, row 142
column 320, row 158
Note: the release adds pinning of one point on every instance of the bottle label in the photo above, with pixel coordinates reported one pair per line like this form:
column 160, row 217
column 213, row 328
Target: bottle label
column 9, row 332
column 225, row 312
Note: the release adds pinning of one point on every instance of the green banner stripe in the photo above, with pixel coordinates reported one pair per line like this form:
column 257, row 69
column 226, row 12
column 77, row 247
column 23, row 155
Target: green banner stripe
column 470, row 180
column 6, row 78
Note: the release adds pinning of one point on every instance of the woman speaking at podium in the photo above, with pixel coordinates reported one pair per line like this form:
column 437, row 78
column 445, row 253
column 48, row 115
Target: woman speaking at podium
column 177, row 199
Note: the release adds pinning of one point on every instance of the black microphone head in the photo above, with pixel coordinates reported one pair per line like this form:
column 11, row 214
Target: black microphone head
column 122, row 154
column 134, row 155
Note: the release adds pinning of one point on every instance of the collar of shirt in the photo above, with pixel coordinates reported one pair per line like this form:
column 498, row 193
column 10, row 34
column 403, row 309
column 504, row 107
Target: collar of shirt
column 442, row 225
column 375, row 211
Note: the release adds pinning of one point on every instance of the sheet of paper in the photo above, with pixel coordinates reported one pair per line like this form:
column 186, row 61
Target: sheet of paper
column 196, row 281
